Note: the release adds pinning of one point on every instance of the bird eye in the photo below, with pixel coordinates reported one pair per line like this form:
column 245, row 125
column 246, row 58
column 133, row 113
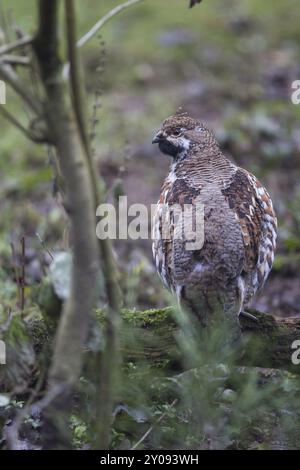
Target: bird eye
column 177, row 132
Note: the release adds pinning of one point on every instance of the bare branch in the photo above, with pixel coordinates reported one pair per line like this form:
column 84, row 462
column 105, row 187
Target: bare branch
column 76, row 74
column 9, row 76
column 96, row 28
column 110, row 359
column 44, row 246
column 14, row 45
column 159, row 420
column 30, row 135
column 22, row 278
column 15, row 59
column 5, row 326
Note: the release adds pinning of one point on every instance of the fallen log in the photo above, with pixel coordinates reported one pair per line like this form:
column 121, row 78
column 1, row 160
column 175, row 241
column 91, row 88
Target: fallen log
column 151, row 335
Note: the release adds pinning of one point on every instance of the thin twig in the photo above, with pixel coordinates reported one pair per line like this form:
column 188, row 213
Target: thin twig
column 153, row 426
column 33, row 70
column 8, row 75
column 98, row 93
column 22, row 280
column 76, row 74
column 15, row 59
column 9, row 117
column 5, row 326
column 44, row 246
column 13, row 45
column 16, row 269
column 4, row 22
column 96, row 28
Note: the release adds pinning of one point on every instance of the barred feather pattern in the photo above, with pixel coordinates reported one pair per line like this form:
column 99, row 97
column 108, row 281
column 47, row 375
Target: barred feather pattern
column 255, row 214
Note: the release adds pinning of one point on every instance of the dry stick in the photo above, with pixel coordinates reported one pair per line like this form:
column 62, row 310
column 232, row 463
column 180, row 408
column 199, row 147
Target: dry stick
column 110, row 360
column 16, row 271
column 9, row 16
column 22, row 279
column 5, row 326
column 76, row 74
column 34, row 79
column 14, row 45
column 153, row 426
column 96, row 28
column 44, row 246
column 3, row 22
column 115, row 11
column 8, row 75
column 9, row 117
column 15, row 59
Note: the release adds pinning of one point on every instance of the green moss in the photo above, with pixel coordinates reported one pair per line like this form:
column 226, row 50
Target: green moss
column 143, row 318
column 149, row 317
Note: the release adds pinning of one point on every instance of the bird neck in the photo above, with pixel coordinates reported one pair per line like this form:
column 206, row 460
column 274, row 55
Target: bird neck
column 203, row 164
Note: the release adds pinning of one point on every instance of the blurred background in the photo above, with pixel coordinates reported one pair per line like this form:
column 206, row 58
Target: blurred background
column 230, row 64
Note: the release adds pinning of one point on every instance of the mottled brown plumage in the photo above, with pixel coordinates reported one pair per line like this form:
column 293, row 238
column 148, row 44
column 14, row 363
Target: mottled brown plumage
column 239, row 223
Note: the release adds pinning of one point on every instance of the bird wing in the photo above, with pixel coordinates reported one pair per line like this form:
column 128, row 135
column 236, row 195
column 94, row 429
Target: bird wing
column 162, row 244
column 174, row 193
column 254, row 212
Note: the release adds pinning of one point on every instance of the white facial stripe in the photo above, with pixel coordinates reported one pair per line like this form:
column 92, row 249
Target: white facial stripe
column 185, row 143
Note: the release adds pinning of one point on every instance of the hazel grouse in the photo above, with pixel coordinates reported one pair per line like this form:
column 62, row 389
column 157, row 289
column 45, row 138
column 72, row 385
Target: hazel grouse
column 240, row 226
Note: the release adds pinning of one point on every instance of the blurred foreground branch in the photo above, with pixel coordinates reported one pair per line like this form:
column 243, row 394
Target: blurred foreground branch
column 110, row 363
column 73, row 327
column 16, row 44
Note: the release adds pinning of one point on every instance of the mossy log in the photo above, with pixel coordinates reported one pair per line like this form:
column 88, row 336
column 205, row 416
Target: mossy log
column 151, row 335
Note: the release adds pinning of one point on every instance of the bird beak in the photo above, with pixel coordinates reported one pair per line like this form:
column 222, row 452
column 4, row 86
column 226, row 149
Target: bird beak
column 158, row 138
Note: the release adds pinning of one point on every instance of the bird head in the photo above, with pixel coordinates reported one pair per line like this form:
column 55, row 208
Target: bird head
column 180, row 133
